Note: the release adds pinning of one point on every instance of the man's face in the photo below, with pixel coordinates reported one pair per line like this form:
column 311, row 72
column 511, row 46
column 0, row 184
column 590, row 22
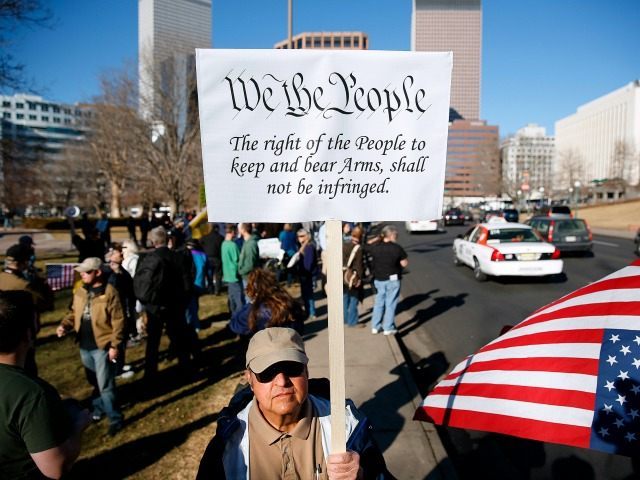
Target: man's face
column 89, row 278
column 283, row 389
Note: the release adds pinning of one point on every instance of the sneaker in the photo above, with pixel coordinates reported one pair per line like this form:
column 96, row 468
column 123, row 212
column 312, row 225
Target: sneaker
column 126, row 375
column 375, row 331
column 96, row 417
column 393, row 331
column 114, row 428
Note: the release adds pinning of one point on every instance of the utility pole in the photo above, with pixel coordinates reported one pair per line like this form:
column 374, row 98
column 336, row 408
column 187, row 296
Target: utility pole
column 290, row 24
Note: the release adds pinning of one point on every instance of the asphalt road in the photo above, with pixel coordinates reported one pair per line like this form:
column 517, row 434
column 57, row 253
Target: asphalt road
column 449, row 315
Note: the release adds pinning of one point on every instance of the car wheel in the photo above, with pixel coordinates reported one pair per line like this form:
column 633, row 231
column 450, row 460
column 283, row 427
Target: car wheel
column 638, row 249
column 478, row 274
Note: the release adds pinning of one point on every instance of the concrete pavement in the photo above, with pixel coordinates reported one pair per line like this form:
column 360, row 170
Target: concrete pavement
column 380, row 383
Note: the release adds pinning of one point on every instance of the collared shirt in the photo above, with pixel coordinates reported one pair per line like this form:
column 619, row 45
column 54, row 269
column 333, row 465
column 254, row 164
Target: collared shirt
column 281, row 455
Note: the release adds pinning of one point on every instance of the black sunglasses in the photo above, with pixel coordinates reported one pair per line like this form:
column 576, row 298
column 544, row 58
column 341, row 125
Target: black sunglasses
column 288, row 369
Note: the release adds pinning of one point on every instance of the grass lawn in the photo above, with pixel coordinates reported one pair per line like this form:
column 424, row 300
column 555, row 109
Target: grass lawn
column 165, row 431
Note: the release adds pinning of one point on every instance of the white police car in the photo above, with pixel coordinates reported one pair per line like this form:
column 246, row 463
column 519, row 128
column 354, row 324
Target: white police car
column 500, row 248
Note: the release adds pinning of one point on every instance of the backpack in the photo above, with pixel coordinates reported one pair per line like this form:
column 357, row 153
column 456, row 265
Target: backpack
column 351, row 279
column 149, row 281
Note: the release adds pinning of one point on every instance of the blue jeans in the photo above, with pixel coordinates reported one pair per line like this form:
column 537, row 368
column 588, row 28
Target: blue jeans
column 306, row 289
column 350, row 309
column 386, row 301
column 236, row 297
column 98, row 362
column 193, row 320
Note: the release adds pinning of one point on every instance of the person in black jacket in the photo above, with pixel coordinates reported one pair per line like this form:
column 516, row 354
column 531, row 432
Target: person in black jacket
column 212, row 246
column 162, row 286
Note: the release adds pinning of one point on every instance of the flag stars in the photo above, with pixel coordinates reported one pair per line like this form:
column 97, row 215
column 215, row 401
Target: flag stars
column 609, row 386
column 603, row 432
column 630, row 436
column 634, row 414
column 621, row 400
column 624, row 350
column 614, row 338
column 635, row 389
column 611, row 360
column 637, row 340
column 608, row 408
column 636, row 363
column 619, row 423
column 623, row 375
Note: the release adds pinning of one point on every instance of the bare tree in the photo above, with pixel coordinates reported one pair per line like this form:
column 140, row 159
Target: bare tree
column 15, row 13
column 622, row 161
column 570, row 169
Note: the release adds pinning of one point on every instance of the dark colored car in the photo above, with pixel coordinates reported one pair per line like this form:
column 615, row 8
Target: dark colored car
column 454, row 216
column 551, row 210
column 567, row 234
column 637, row 242
column 511, row 215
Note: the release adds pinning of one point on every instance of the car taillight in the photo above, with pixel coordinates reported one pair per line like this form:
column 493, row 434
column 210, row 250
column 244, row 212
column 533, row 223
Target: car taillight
column 496, row 256
column 555, row 255
column 551, row 231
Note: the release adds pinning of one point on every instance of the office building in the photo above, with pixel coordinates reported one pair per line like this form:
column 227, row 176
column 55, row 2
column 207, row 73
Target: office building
column 35, row 129
column 453, row 25
column 169, row 31
column 602, row 139
column 473, row 161
column 328, row 40
column 527, row 161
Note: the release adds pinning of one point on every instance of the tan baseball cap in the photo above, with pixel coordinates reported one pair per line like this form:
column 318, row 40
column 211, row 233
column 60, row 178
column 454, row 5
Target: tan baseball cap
column 273, row 345
column 89, row 264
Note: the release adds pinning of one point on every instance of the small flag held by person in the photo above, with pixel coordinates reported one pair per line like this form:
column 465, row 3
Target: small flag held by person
column 569, row 373
column 60, row 275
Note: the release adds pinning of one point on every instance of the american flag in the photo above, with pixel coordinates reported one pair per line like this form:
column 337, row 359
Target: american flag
column 569, row 373
column 60, row 275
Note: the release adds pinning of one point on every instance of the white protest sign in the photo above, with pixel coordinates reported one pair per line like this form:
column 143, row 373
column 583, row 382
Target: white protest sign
column 316, row 135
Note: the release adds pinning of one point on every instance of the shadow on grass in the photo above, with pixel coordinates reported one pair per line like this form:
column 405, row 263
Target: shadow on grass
column 132, row 457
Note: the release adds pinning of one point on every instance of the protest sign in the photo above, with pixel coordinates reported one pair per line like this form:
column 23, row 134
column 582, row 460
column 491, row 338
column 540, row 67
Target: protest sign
column 318, row 135
column 291, row 136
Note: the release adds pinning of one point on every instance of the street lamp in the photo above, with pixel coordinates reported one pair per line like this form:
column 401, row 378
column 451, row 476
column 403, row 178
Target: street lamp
column 541, row 190
column 577, row 186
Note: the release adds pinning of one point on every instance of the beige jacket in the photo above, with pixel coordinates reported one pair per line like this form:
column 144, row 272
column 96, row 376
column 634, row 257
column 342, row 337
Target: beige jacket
column 107, row 319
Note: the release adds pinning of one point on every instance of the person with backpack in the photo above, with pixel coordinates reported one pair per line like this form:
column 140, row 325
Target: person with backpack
column 160, row 285
column 353, row 267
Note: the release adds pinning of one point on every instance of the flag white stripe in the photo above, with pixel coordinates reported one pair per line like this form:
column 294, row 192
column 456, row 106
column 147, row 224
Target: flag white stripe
column 621, row 322
column 579, row 382
column 604, row 296
column 578, row 417
column 544, row 350
column 629, row 271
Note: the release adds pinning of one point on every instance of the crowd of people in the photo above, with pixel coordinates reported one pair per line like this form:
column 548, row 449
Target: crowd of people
column 141, row 288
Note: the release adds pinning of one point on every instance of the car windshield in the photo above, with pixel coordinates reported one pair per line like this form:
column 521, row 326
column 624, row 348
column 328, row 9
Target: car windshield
column 508, row 235
column 570, row 226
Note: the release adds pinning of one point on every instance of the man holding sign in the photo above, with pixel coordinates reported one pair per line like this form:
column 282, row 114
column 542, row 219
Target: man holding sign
column 283, row 431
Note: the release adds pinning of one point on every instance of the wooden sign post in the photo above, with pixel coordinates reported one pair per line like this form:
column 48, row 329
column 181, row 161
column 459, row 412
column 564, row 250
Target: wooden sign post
column 306, row 135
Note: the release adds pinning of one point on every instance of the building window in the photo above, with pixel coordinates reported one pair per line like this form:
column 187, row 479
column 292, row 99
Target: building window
column 78, row 112
column 336, row 42
column 44, row 108
column 56, row 109
column 19, row 105
column 347, row 43
column 56, row 119
column 32, row 105
column 6, row 104
column 327, row 43
column 44, row 118
column 19, row 116
column 33, row 117
column 67, row 121
column 356, row 42
column 307, row 42
column 299, row 43
column 317, row 42
column 67, row 111
column 6, row 115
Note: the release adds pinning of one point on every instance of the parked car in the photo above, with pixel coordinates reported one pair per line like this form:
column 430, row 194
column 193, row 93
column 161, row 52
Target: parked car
column 566, row 233
column 511, row 215
column 554, row 210
column 422, row 226
column 637, row 242
column 454, row 216
column 501, row 248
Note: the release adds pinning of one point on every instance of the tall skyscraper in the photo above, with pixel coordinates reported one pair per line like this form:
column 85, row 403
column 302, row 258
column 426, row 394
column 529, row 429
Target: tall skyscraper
column 169, row 31
column 453, row 25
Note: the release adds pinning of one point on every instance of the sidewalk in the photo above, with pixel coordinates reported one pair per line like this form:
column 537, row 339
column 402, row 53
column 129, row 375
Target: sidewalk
column 380, row 384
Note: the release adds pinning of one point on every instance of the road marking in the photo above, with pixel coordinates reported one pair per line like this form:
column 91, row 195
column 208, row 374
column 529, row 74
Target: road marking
column 606, row 244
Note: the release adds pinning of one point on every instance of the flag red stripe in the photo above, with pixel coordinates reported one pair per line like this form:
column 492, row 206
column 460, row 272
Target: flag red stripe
column 587, row 366
column 519, row 427
column 611, row 284
column 548, row 396
column 592, row 309
column 567, row 336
